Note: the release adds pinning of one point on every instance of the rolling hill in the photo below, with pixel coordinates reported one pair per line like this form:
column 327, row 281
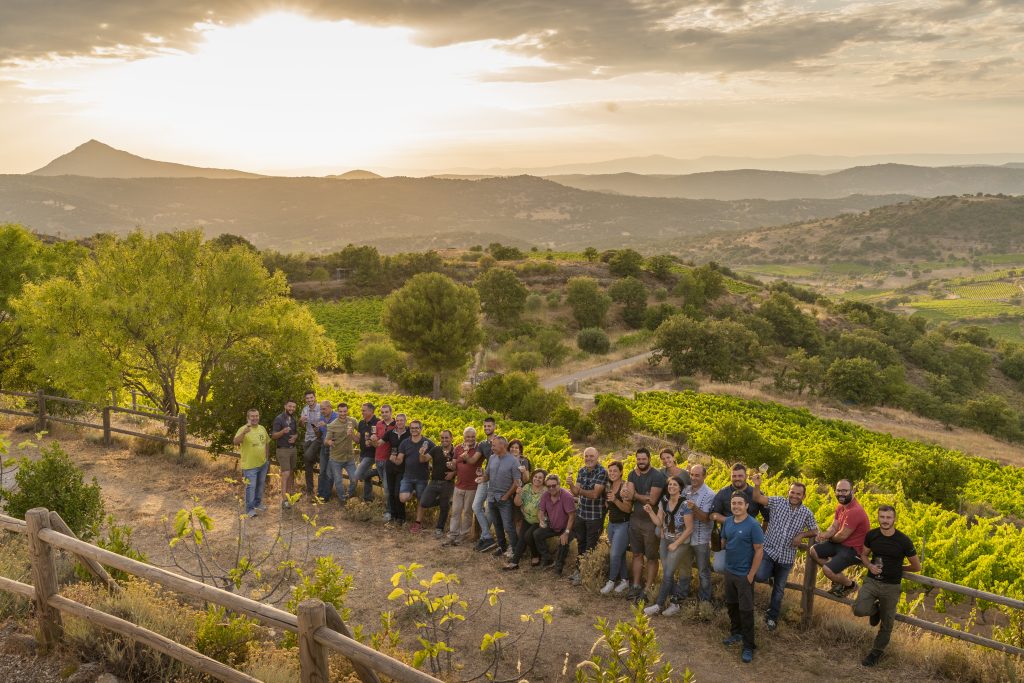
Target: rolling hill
column 315, row 214
column 920, row 181
column 919, row 230
column 98, row 160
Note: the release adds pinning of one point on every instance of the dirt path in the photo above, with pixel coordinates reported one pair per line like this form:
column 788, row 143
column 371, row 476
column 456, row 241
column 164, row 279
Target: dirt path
column 594, row 372
column 144, row 490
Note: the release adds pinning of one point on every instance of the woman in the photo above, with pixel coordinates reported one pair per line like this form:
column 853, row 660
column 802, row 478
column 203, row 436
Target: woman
column 674, row 520
column 515, row 447
column 527, row 500
column 618, row 531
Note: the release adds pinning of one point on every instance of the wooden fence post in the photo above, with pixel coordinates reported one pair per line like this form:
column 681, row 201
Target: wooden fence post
column 182, row 435
column 106, row 426
column 41, row 407
column 807, row 597
column 44, row 579
column 312, row 655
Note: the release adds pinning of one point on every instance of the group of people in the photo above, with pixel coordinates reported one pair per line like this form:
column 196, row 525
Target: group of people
column 667, row 517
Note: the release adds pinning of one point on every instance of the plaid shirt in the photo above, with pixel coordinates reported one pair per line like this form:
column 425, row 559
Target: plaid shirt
column 785, row 523
column 703, row 498
column 591, row 508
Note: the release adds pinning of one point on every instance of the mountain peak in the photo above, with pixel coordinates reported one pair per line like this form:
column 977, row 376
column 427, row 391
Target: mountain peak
column 99, row 160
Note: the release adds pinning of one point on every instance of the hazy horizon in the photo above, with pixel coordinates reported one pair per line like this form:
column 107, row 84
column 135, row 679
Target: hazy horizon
column 433, row 87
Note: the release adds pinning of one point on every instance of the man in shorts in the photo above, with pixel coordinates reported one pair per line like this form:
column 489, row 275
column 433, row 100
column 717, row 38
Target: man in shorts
column 285, row 432
column 839, row 546
column 643, row 487
column 441, row 486
column 415, row 456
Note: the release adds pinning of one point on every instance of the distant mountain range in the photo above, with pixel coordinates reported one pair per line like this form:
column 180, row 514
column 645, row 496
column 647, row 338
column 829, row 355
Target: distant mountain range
column 98, row 160
column 395, row 214
column 920, row 181
column 920, row 230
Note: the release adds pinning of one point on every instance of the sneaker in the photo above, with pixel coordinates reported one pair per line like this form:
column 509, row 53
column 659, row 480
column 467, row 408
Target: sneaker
column 747, row 656
column 733, row 639
column 285, row 505
column 252, row 513
column 511, row 566
column 671, row 610
column 261, row 507
column 439, row 533
column 607, row 588
column 872, row 658
column 771, row 624
column 387, row 516
column 486, row 544
column 622, row 585
column 640, row 597
column 548, row 564
column 840, row 591
column 499, row 551
column 653, row 610
column 456, row 541
column 415, row 527
column 576, row 578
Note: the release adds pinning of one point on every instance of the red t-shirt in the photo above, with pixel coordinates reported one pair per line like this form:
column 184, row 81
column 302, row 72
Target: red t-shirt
column 852, row 515
column 384, row 449
column 557, row 511
column 465, row 473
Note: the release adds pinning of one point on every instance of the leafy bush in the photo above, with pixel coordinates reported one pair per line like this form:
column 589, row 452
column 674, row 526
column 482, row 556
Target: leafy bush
column 928, row 476
column 629, row 651
column 1012, row 362
column 54, row 482
column 632, row 294
column 625, row 263
column 834, row 461
column 524, row 361
column 588, row 303
column 859, row 380
column 117, row 538
column 519, row 396
column 534, row 302
column 377, row 356
column 327, row 582
column 224, row 637
column 733, row 440
column 579, row 426
column 656, row 315
column 593, row 340
column 993, row 415
column 612, row 417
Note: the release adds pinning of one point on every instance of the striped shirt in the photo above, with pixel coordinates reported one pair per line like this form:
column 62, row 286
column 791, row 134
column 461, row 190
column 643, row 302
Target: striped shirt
column 587, row 479
column 785, row 523
column 703, row 498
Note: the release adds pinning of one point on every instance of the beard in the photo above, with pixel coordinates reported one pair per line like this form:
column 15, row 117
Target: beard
column 643, row 468
column 844, row 500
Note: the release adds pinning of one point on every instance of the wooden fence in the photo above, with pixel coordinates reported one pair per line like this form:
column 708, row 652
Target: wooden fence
column 318, row 626
column 178, row 422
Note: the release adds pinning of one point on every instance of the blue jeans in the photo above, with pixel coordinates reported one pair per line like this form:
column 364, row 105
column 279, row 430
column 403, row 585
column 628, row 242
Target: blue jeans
column 618, row 539
column 364, row 473
column 478, row 509
column 670, row 560
column 255, row 482
column 335, row 468
column 324, row 486
column 701, row 554
column 501, row 517
column 417, row 486
column 780, row 572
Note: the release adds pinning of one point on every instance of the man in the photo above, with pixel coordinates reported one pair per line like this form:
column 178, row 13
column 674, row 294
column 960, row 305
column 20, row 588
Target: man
column 588, row 487
column 721, row 508
column 327, row 415
column 441, row 484
column 790, row 522
column 367, row 453
column 699, row 498
column 743, row 541
column 394, row 469
column 484, row 448
column 342, row 440
column 466, row 459
column 311, row 441
column 556, row 514
column 643, row 487
column 669, row 467
column 415, row 456
column 880, row 594
column 502, row 474
column 382, row 454
column 839, row 546
column 254, row 448
column 285, row 432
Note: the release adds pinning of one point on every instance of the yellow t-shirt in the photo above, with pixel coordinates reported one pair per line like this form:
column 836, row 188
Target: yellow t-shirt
column 253, row 447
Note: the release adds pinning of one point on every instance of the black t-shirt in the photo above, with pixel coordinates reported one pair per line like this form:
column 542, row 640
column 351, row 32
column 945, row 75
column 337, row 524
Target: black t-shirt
column 414, row 469
column 485, row 450
column 281, row 422
column 891, row 550
column 395, row 440
column 722, row 506
column 438, row 464
column 615, row 513
column 642, row 485
column 367, row 427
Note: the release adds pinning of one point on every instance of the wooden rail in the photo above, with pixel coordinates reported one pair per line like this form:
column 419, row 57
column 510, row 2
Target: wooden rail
column 319, row 627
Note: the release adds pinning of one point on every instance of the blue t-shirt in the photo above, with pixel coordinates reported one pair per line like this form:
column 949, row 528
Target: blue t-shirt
column 739, row 541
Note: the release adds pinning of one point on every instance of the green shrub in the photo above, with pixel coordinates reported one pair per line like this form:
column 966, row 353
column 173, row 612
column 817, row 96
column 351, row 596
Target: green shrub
column 629, row 651
column 224, row 637
column 612, row 417
column 327, row 582
column 534, row 302
column 733, row 440
column 928, row 476
column 837, row 461
column 524, row 361
column 993, row 415
column 377, row 356
column 55, row 483
column 519, row 396
column 117, row 538
column 579, row 426
column 593, row 340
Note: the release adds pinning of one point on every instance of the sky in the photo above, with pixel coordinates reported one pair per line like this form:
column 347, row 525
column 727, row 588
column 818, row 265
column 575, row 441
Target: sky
column 295, row 86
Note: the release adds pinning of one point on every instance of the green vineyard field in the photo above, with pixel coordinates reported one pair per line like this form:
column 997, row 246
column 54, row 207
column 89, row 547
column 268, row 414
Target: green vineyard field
column 347, row 320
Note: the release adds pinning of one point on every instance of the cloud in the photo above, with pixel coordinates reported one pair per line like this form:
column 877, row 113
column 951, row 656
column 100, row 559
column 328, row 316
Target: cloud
column 575, row 38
